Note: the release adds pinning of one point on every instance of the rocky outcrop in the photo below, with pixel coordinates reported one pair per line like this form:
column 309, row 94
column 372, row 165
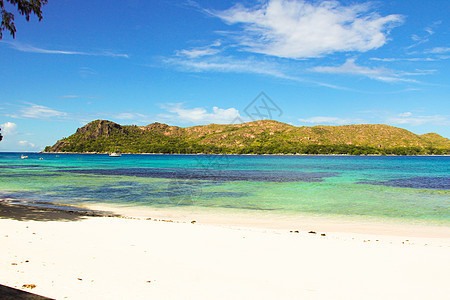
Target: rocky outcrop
column 99, row 128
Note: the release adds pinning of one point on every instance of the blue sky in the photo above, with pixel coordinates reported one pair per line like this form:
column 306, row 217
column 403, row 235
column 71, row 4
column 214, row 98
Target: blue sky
column 190, row 63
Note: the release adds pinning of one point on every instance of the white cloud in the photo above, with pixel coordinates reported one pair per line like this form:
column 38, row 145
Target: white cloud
column 382, row 74
column 229, row 64
column 403, row 59
column 201, row 51
column 26, row 144
column 129, row 116
column 31, row 49
column 249, row 65
column 301, row 29
column 408, row 118
column 405, row 114
column 35, row 111
column 199, row 115
column 332, row 120
column 425, row 37
column 438, row 50
column 8, row 128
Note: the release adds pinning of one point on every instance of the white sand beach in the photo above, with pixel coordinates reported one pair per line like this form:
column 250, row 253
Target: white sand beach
column 118, row 258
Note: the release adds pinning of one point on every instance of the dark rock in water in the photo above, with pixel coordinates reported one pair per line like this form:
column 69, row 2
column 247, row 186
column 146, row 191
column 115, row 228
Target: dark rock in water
column 420, row 182
column 313, row 232
column 223, row 175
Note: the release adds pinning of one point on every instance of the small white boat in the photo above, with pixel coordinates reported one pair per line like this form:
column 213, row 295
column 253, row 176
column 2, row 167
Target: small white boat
column 23, row 156
column 115, row 153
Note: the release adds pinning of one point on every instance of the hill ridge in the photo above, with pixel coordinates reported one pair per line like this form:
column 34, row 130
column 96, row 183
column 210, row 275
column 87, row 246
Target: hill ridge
column 256, row 137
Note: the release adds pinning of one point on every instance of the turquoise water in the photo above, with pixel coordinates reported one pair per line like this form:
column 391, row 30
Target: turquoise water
column 415, row 189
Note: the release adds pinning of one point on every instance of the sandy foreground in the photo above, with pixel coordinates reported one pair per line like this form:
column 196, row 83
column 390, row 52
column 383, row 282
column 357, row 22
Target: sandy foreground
column 71, row 257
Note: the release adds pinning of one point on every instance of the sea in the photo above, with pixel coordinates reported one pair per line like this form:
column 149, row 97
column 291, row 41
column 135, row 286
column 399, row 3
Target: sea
column 412, row 189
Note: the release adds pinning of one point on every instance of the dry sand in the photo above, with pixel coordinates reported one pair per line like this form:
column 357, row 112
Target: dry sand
column 116, row 258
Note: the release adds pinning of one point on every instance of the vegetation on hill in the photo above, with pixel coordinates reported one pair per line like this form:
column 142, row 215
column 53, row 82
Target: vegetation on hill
column 258, row 137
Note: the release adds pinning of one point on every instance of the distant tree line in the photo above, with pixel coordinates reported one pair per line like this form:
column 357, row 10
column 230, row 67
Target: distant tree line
column 174, row 146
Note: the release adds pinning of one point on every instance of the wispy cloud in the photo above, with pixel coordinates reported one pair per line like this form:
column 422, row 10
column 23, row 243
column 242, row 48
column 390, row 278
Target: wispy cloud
column 438, row 50
column 300, row 29
column 129, row 116
column 35, row 111
column 424, row 37
column 332, row 120
column 404, row 59
column 408, row 118
column 249, row 65
column 26, row 144
column 199, row 115
column 31, row 49
column 381, row 74
column 228, row 64
column 71, row 96
column 201, row 51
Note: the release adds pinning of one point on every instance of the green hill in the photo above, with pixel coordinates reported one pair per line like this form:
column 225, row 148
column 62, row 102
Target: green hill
column 258, row 137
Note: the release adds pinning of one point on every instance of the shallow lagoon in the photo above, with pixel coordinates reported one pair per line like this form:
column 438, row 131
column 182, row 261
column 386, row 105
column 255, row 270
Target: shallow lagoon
column 405, row 188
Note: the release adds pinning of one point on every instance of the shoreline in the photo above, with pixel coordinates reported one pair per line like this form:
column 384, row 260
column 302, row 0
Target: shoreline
column 247, row 154
column 237, row 219
column 282, row 222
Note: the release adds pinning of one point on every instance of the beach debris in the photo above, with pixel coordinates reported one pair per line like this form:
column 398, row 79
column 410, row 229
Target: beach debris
column 149, row 281
column 79, row 279
column 294, row 231
column 323, row 234
column 313, row 232
column 14, row 264
column 27, row 261
column 193, row 222
column 29, row 286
